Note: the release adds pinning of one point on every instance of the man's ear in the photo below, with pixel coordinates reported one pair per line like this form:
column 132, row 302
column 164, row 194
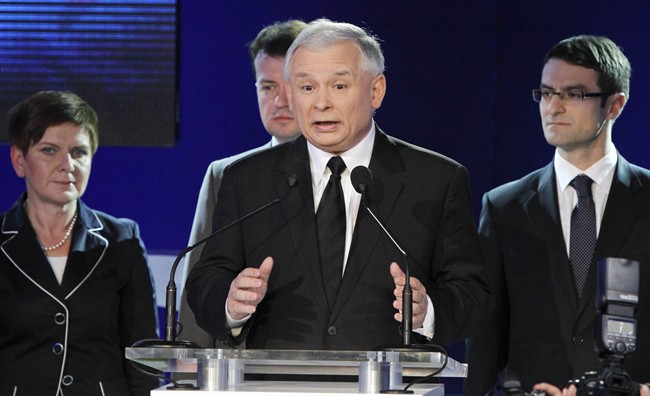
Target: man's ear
column 616, row 104
column 18, row 161
column 378, row 86
column 287, row 90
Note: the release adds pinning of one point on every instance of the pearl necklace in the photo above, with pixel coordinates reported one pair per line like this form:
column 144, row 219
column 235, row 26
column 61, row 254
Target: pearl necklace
column 65, row 237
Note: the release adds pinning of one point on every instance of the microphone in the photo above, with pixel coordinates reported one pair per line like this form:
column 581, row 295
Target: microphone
column 361, row 180
column 170, row 303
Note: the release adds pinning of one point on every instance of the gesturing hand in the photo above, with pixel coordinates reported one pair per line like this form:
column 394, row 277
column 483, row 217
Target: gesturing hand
column 248, row 289
column 420, row 301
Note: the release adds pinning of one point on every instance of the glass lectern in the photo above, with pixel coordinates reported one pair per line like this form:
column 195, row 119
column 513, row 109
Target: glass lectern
column 222, row 371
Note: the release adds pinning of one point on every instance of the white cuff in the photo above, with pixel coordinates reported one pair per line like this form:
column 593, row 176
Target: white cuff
column 235, row 323
column 428, row 326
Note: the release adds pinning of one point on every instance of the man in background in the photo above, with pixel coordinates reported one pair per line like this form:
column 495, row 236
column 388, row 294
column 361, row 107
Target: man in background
column 542, row 235
column 266, row 53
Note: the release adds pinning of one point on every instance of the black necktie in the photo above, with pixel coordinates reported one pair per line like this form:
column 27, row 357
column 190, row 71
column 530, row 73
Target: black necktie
column 583, row 232
column 330, row 221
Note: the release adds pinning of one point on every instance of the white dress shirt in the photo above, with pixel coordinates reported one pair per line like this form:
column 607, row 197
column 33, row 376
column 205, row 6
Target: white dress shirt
column 320, row 174
column 602, row 173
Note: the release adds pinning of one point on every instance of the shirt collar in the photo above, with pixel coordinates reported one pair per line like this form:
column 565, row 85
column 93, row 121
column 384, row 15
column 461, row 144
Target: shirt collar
column 602, row 172
column 357, row 155
column 275, row 141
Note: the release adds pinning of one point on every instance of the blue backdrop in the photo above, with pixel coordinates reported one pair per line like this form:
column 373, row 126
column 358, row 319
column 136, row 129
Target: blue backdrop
column 459, row 78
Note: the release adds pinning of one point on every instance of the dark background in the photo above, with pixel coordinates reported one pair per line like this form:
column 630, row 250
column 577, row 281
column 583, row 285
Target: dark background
column 117, row 55
column 459, row 78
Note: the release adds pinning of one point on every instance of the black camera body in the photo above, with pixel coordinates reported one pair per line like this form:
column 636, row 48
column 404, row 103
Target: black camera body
column 617, row 302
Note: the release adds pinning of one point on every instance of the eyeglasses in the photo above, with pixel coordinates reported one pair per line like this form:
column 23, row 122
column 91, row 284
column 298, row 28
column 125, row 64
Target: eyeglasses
column 572, row 96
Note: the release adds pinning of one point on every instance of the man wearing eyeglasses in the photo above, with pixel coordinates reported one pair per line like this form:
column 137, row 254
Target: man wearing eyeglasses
column 543, row 234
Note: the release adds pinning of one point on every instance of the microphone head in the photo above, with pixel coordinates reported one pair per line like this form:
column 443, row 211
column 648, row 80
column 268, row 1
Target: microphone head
column 361, row 179
column 293, row 170
column 292, row 181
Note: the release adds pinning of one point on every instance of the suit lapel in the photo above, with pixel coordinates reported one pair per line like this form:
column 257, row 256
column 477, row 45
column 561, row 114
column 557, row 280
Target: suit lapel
column 26, row 254
column 86, row 252
column 621, row 213
column 384, row 192
column 298, row 212
column 543, row 211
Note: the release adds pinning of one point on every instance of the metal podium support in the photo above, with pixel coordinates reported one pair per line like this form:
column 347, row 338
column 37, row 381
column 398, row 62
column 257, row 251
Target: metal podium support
column 224, row 369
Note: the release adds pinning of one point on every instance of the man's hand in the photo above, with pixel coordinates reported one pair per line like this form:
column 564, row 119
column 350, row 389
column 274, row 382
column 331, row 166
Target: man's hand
column 552, row 390
column 419, row 296
column 571, row 390
column 248, row 289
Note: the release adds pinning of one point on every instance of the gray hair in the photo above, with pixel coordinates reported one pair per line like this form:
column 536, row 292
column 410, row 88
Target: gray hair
column 322, row 33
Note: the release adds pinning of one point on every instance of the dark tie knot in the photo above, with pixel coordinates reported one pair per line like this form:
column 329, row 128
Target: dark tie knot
column 336, row 165
column 582, row 185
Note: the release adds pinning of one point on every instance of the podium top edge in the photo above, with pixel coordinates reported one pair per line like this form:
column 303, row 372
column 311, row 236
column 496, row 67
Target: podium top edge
column 398, row 355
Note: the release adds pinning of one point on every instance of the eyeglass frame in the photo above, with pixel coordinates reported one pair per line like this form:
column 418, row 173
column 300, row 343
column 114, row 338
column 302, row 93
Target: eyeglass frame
column 563, row 95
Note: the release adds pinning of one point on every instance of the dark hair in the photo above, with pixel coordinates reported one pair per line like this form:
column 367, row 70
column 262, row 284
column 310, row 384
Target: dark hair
column 275, row 39
column 597, row 53
column 29, row 119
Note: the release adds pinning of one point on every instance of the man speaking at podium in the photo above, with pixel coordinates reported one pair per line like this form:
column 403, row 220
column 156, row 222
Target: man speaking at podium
column 302, row 274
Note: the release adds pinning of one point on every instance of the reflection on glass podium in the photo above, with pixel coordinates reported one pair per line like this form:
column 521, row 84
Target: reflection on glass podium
column 228, row 371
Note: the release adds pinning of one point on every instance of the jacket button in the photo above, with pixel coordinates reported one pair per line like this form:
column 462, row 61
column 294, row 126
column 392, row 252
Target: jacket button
column 67, row 380
column 59, row 318
column 577, row 340
column 57, row 348
column 331, row 330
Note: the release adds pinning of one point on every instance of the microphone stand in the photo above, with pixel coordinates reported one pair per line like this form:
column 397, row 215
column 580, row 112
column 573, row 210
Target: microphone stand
column 407, row 292
column 361, row 184
column 361, row 180
column 170, row 303
column 170, row 340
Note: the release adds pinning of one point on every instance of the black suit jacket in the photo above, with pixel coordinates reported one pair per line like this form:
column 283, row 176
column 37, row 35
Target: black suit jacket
column 424, row 200
column 73, row 333
column 538, row 329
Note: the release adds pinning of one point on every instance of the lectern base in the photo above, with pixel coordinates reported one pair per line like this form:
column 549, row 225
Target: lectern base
column 294, row 388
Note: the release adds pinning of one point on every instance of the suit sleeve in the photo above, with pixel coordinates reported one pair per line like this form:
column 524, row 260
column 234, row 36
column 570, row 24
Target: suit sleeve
column 137, row 310
column 488, row 350
column 460, row 293
column 201, row 228
column 221, row 260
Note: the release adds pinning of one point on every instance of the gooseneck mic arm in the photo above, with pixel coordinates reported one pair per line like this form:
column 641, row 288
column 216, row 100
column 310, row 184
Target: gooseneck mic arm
column 170, row 303
column 361, row 180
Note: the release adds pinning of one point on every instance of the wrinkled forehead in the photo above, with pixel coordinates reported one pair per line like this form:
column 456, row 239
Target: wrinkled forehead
column 338, row 58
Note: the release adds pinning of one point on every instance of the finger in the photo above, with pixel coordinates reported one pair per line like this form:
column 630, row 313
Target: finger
column 571, row 391
column 247, row 282
column 548, row 389
column 416, row 285
column 265, row 268
column 397, row 274
column 244, row 296
column 398, row 317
